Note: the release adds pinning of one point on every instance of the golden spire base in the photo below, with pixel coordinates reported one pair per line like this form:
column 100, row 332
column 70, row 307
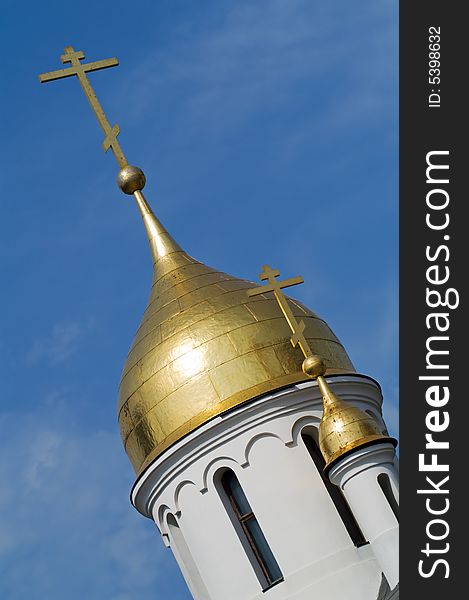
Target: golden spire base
column 131, row 181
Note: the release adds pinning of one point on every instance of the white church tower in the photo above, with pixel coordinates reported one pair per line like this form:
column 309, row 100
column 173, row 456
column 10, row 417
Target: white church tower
column 267, row 474
column 261, row 456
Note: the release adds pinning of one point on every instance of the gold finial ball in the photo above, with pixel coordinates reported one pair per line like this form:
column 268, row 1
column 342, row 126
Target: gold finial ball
column 130, row 179
column 314, row 366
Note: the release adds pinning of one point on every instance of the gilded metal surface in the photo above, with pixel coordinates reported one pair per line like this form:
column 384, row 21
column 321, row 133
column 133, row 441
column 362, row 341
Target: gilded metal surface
column 79, row 69
column 344, row 427
column 131, row 179
column 314, row 366
column 204, row 346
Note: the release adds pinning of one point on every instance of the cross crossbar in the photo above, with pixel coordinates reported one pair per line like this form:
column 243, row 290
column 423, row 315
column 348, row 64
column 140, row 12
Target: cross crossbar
column 276, row 287
column 80, row 69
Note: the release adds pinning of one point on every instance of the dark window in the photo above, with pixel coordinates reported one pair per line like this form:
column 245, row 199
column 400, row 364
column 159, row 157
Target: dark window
column 335, row 493
column 385, row 485
column 258, row 549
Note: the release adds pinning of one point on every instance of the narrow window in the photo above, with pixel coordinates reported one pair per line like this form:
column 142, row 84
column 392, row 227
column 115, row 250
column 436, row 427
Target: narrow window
column 247, row 527
column 186, row 562
column 335, row 494
column 385, row 485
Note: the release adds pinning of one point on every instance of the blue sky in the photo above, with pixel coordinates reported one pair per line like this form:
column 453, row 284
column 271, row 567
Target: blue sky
column 268, row 133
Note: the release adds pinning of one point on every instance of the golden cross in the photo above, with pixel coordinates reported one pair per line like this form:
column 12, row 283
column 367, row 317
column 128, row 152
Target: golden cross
column 80, row 70
column 276, row 287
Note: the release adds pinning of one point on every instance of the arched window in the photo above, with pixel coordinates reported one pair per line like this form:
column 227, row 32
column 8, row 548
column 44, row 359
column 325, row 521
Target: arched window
column 249, row 532
column 186, row 562
column 385, row 484
column 335, row 493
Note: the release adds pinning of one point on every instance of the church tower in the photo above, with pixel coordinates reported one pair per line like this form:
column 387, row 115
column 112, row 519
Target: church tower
column 264, row 471
column 260, row 453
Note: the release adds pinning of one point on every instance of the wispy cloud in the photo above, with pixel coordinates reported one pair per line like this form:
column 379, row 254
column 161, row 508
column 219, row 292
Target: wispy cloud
column 59, row 345
column 269, row 50
column 65, row 517
column 43, row 459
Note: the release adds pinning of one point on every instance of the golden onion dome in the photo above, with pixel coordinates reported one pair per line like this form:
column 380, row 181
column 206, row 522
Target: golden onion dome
column 344, row 427
column 203, row 347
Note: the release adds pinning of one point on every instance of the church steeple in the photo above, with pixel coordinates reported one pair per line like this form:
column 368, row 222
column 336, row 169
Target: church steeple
column 204, row 346
column 131, row 181
column 224, row 425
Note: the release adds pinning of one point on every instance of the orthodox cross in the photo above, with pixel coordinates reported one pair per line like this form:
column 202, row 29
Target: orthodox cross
column 80, row 69
column 276, row 287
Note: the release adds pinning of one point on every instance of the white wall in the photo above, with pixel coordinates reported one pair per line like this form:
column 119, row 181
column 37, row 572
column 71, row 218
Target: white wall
column 357, row 475
column 261, row 442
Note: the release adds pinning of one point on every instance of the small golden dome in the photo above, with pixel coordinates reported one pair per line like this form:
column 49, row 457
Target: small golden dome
column 203, row 347
column 344, row 427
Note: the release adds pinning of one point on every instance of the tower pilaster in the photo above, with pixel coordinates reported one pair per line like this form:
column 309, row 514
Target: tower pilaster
column 369, row 481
